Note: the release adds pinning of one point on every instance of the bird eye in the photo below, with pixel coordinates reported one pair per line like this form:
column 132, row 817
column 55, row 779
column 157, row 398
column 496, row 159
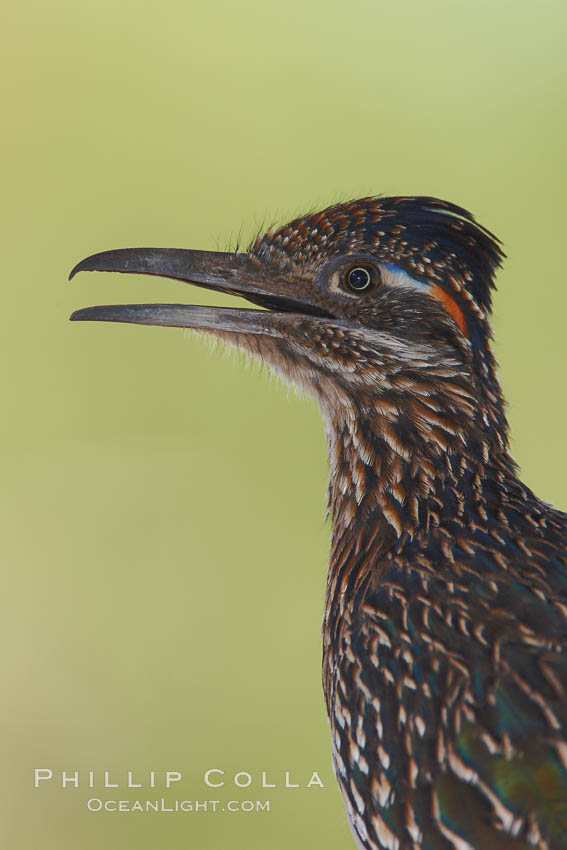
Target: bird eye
column 360, row 278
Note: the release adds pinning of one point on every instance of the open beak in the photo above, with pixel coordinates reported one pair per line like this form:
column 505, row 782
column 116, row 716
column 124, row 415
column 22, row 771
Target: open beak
column 235, row 274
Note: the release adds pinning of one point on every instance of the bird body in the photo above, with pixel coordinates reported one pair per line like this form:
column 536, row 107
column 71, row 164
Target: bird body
column 445, row 629
column 445, row 668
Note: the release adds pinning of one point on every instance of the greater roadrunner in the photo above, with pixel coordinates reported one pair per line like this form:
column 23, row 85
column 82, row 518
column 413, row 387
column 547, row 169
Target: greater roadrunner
column 445, row 631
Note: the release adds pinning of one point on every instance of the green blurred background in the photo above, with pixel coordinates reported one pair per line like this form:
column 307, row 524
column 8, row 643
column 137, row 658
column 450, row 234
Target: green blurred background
column 163, row 538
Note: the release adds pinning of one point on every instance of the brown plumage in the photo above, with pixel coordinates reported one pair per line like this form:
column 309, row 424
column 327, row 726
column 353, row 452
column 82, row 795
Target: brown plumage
column 445, row 631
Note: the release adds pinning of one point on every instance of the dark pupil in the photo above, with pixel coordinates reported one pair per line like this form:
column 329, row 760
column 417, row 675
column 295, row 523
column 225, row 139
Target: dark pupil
column 359, row 278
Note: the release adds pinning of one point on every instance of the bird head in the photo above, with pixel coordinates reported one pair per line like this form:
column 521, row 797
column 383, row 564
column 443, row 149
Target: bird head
column 357, row 299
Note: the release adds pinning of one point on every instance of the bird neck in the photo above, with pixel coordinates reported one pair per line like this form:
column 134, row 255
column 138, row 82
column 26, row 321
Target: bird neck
column 403, row 462
column 405, row 468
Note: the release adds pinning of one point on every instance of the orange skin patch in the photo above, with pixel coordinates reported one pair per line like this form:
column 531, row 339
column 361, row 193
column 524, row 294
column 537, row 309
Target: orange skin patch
column 451, row 307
